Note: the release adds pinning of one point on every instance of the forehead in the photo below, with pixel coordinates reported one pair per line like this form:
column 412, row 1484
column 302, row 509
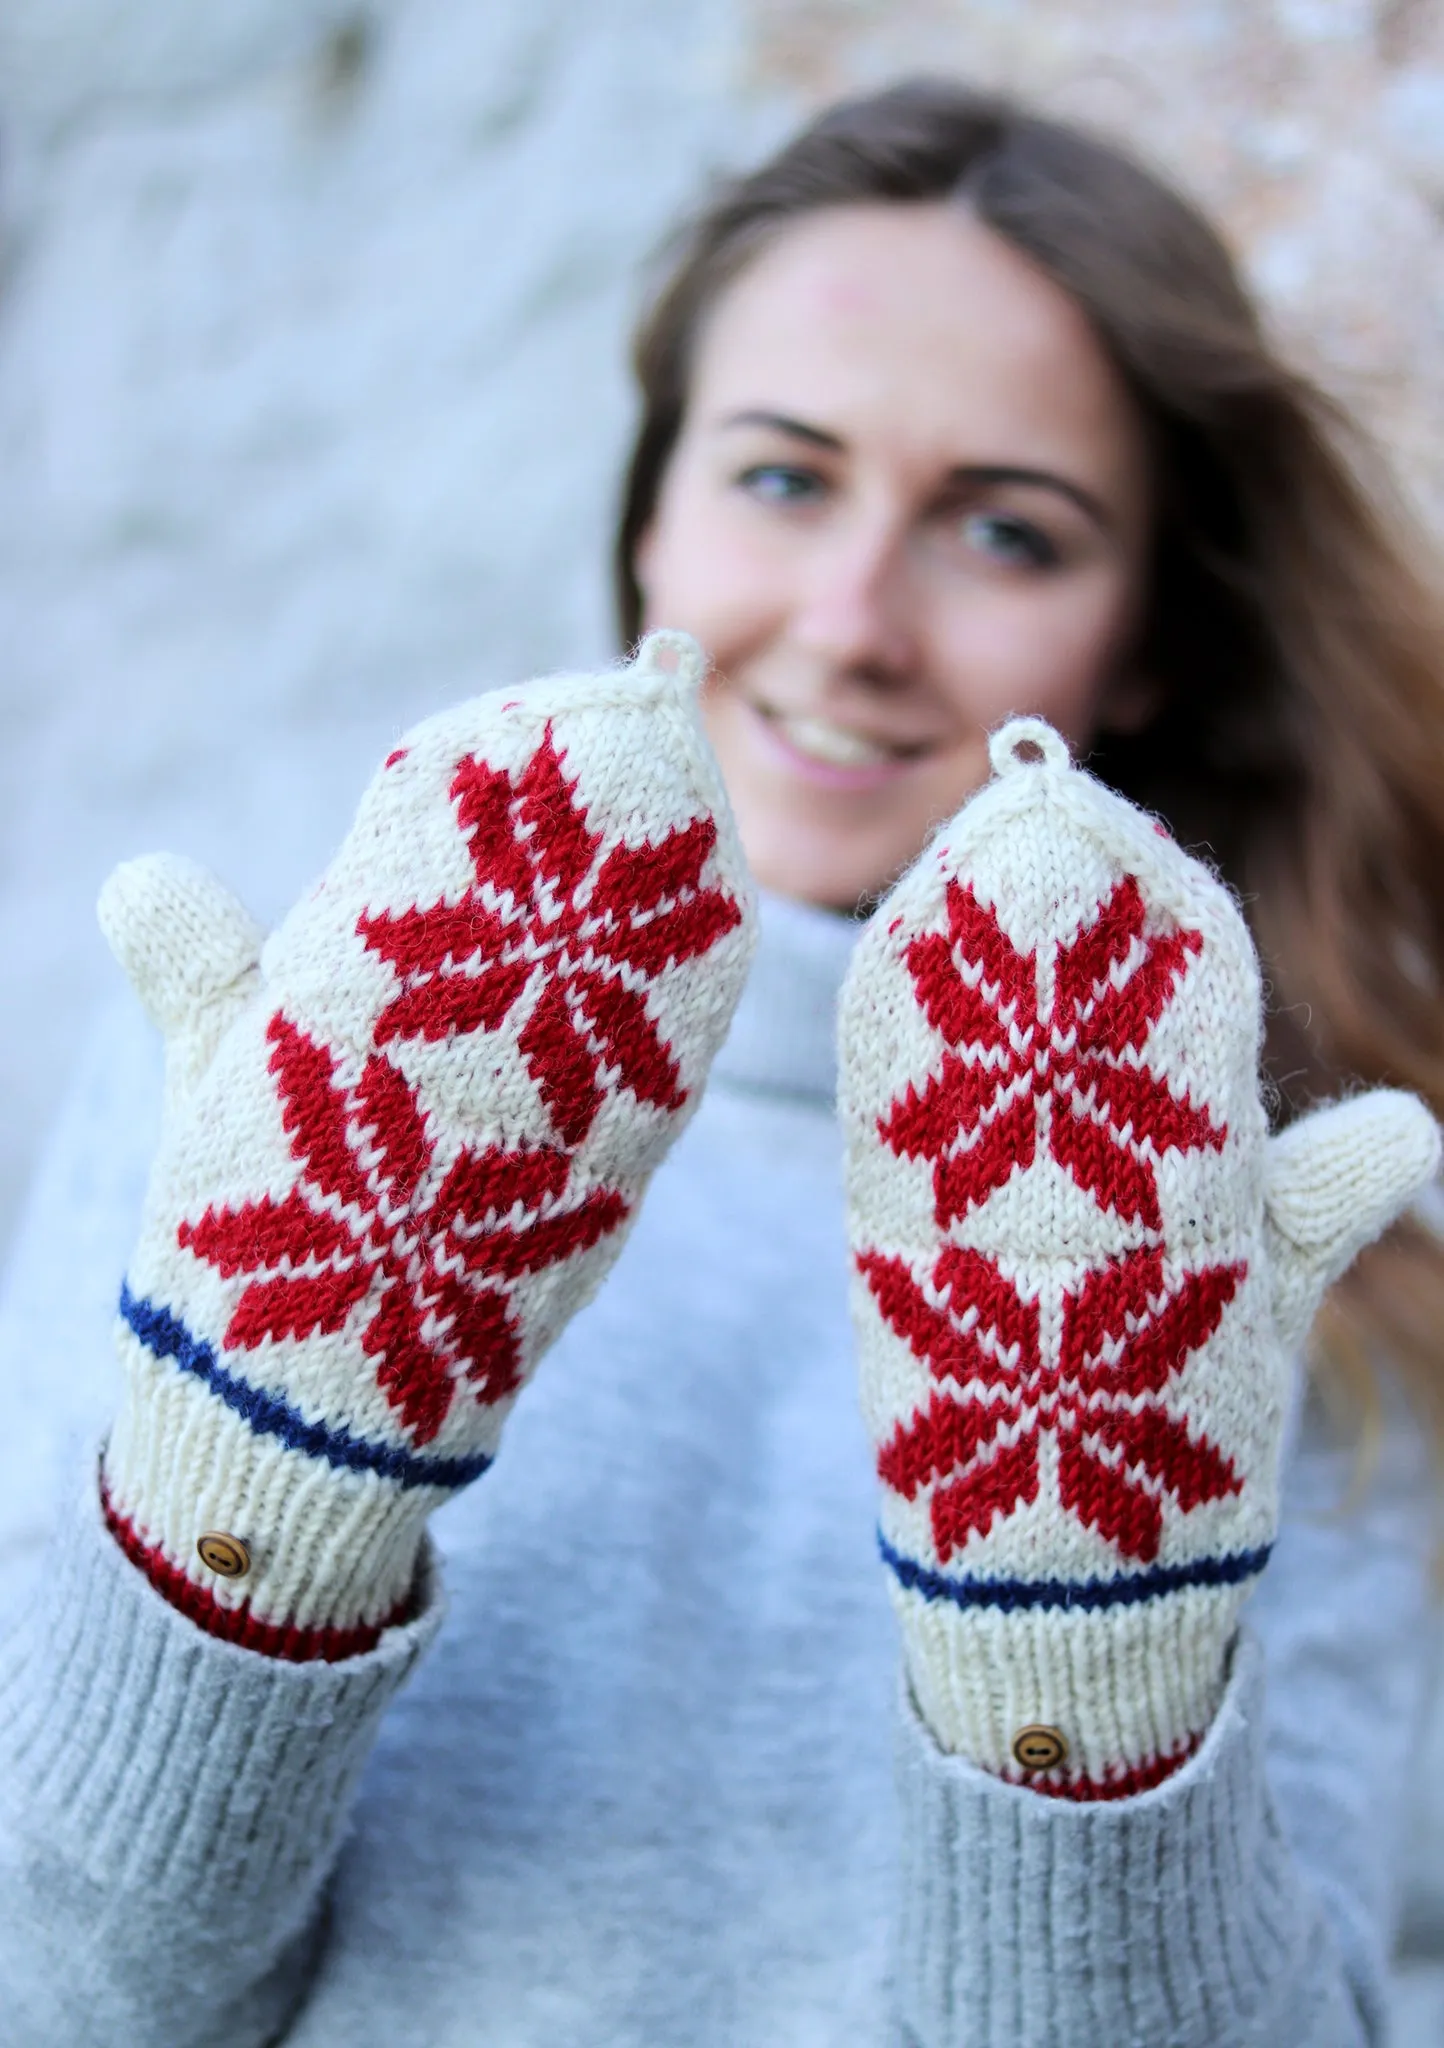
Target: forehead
column 916, row 327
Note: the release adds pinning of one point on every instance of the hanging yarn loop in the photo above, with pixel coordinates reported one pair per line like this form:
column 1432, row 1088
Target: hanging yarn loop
column 1027, row 743
column 668, row 652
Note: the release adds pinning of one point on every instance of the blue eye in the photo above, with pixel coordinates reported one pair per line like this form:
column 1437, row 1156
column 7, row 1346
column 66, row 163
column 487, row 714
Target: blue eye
column 1008, row 539
column 782, row 483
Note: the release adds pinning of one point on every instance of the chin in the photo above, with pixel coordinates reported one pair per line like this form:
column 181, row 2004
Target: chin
column 823, row 875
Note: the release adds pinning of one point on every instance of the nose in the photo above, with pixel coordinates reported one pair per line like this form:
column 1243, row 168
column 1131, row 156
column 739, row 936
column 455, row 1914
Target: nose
column 856, row 612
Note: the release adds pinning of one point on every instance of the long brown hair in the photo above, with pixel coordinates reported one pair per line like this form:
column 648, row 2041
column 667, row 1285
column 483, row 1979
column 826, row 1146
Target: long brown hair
column 1291, row 631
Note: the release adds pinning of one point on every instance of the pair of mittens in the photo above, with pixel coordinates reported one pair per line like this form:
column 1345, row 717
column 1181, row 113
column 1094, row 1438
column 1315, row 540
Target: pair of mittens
column 1081, row 1271
column 405, row 1137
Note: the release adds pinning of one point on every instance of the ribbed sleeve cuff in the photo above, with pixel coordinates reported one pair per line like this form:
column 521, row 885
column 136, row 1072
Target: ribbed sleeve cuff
column 1172, row 1920
column 154, row 1756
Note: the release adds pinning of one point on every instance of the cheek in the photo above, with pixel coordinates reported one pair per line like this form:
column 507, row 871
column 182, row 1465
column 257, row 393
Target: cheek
column 1050, row 650
column 703, row 572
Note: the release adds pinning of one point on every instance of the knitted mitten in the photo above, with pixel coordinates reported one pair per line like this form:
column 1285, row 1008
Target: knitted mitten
column 1081, row 1271
column 403, row 1142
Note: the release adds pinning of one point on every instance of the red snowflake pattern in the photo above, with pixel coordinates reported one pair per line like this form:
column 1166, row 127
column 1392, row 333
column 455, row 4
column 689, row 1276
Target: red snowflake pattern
column 600, row 928
column 1128, row 1328
column 435, row 1278
column 977, row 1118
column 1126, row 1333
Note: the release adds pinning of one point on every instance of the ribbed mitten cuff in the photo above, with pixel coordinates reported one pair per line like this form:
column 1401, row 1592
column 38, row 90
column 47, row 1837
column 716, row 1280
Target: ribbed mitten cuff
column 330, row 1552
column 1130, row 1689
column 153, row 1755
column 1170, row 1920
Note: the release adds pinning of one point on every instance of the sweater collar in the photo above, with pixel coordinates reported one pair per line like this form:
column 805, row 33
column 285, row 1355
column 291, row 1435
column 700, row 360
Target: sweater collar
column 783, row 1039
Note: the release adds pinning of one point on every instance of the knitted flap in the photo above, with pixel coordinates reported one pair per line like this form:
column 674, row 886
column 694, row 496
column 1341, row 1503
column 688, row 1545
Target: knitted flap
column 1050, row 1032
column 417, row 1150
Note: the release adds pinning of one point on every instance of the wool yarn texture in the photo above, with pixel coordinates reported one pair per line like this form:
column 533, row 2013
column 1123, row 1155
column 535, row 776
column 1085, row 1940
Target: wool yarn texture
column 1081, row 1271
column 404, row 1139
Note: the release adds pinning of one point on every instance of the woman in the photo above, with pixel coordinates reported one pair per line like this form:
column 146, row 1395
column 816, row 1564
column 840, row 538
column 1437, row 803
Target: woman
column 949, row 413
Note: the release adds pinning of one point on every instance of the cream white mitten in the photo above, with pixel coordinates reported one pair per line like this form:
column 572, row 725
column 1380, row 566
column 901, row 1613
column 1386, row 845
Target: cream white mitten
column 1081, row 1271
column 404, row 1139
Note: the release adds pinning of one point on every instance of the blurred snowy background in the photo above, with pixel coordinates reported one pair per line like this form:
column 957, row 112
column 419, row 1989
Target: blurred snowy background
column 312, row 320
column 312, row 378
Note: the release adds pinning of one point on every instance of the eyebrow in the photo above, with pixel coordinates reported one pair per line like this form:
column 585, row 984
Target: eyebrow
column 1040, row 479
column 966, row 474
column 783, row 423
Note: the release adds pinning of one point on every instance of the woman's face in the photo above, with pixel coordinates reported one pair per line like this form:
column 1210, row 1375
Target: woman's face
column 909, row 497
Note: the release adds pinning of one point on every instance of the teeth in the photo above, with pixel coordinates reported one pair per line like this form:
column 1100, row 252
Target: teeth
column 833, row 744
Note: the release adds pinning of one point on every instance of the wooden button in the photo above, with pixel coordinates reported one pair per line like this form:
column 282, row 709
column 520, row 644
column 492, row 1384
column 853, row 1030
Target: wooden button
column 1040, row 1748
column 223, row 1554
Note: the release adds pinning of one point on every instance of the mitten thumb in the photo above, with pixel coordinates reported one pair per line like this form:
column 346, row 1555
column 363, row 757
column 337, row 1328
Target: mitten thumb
column 1334, row 1181
column 189, row 949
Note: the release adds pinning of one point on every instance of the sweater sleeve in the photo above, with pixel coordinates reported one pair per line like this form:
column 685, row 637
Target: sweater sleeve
column 170, row 1809
column 1248, row 1899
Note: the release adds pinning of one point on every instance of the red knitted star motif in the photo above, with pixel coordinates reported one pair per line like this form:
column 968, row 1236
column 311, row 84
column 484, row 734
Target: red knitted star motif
column 1007, row 1065
column 598, row 927
column 435, row 1276
column 1126, row 1333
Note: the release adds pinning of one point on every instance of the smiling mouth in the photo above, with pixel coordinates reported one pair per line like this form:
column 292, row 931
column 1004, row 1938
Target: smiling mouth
column 839, row 746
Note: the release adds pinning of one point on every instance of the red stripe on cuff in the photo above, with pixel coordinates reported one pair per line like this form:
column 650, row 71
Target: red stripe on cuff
column 1123, row 1784
column 237, row 1624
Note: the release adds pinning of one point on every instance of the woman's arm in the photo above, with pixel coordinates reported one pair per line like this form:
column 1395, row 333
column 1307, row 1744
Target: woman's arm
column 1083, row 1268
column 399, row 1148
column 169, row 1805
column 170, row 1809
column 1177, row 1919
column 1251, row 1896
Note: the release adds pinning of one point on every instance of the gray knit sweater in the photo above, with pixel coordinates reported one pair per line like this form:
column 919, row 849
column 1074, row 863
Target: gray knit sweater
column 649, row 1779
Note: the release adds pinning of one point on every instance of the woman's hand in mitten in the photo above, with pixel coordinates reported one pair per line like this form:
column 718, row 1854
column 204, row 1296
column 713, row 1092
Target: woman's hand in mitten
column 1081, row 1271
column 403, row 1141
